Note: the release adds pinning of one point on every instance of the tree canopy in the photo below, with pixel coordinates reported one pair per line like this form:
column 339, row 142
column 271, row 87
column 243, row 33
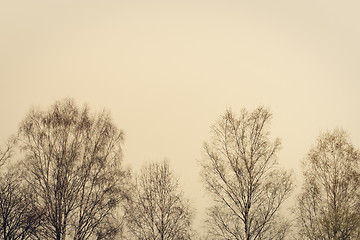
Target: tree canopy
column 72, row 162
column 241, row 172
column 158, row 210
column 329, row 205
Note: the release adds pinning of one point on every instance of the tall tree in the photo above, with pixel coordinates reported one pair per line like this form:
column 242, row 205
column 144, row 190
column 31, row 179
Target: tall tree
column 158, row 209
column 329, row 204
column 73, row 166
column 240, row 171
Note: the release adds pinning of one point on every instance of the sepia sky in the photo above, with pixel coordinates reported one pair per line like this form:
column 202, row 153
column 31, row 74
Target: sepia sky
column 167, row 70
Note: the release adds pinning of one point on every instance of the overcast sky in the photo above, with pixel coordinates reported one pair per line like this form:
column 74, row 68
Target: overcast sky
column 167, row 70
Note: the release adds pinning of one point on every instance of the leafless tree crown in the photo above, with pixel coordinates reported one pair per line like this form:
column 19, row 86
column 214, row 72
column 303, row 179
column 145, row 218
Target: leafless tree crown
column 158, row 209
column 329, row 205
column 240, row 171
column 72, row 162
column 19, row 218
column 7, row 151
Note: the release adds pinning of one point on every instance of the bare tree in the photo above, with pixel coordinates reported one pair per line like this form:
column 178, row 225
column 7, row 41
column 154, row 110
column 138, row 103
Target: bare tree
column 7, row 152
column 158, row 209
column 73, row 166
column 19, row 218
column 240, row 171
column 329, row 205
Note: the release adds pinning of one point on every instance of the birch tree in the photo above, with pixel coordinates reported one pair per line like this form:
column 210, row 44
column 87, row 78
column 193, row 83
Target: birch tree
column 240, row 171
column 329, row 204
column 19, row 217
column 73, row 165
column 158, row 209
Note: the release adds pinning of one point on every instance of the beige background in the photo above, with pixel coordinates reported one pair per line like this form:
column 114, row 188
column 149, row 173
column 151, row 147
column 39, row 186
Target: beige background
column 168, row 69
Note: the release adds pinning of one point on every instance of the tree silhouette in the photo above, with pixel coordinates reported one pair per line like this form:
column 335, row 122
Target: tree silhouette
column 158, row 209
column 329, row 205
column 7, row 152
column 73, row 167
column 241, row 173
column 19, row 218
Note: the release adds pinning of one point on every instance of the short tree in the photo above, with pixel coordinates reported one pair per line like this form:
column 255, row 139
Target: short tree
column 329, row 205
column 73, row 165
column 158, row 209
column 240, row 171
